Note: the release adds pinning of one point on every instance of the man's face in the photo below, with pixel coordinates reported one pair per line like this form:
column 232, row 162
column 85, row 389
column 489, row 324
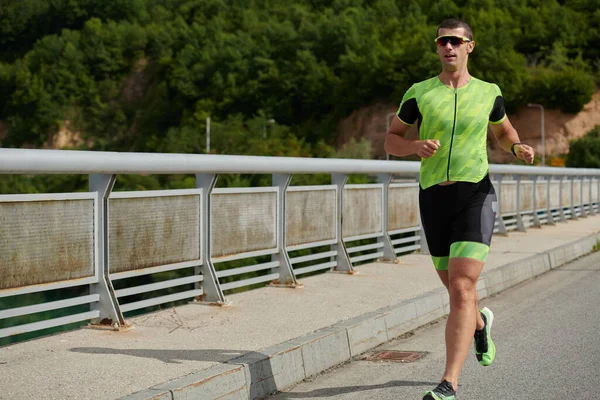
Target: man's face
column 454, row 55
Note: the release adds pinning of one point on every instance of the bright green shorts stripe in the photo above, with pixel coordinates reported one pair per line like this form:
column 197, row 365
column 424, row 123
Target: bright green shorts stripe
column 440, row 263
column 478, row 251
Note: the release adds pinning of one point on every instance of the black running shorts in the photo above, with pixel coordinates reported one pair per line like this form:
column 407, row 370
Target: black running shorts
column 458, row 220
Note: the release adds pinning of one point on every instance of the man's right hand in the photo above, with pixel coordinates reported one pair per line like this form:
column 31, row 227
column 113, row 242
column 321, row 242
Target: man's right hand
column 426, row 148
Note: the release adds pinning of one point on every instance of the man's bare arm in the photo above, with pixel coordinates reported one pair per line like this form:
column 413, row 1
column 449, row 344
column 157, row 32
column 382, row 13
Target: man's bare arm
column 506, row 135
column 397, row 145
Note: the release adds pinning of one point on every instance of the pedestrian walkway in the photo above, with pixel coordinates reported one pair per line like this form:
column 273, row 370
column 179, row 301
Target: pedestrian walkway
column 270, row 338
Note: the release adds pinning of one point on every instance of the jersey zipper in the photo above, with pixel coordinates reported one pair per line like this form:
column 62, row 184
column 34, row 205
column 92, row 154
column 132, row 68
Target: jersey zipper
column 453, row 128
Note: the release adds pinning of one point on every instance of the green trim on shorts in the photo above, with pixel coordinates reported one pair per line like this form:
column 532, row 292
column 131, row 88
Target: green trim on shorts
column 478, row 251
column 440, row 263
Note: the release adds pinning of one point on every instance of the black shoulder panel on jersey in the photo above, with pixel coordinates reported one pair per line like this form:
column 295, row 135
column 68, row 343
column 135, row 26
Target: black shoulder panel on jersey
column 498, row 111
column 409, row 112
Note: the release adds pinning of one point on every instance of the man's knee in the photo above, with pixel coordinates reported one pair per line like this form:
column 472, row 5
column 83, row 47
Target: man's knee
column 462, row 290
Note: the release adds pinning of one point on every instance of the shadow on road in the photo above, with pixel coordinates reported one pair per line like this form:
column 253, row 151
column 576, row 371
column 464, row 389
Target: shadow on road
column 334, row 391
column 261, row 373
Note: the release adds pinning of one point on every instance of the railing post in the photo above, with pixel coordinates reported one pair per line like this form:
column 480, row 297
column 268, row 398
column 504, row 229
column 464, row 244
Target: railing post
column 572, row 205
column 108, row 304
column 210, row 284
column 388, row 248
column 501, row 226
column 598, row 193
column 581, row 202
column 520, row 224
column 286, row 272
column 536, row 220
column 562, row 217
column 550, row 217
column 591, row 200
column 342, row 258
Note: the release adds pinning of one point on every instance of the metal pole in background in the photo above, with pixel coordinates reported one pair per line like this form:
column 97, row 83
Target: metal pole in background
column 541, row 107
column 207, row 134
column 271, row 121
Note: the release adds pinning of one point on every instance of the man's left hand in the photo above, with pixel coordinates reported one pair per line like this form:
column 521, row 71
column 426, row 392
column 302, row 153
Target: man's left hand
column 525, row 153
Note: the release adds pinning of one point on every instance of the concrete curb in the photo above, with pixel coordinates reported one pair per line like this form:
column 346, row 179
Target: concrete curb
column 259, row 374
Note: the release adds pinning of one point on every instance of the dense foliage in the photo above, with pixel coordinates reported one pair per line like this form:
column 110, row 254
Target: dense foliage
column 143, row 75
column 585, row 152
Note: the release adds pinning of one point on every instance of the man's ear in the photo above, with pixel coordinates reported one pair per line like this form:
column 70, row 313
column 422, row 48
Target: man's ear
column 471, row 47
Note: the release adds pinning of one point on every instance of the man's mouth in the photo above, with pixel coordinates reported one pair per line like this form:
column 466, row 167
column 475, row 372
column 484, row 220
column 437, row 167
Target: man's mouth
column 450, row 56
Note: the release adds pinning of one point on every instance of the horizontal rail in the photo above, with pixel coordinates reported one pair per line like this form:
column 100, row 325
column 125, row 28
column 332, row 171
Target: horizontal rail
column 244, row 270
column 363, row 237
column 405, row 230
column 406, row 240
column 248, row 282
column 153, row 270
column 356, row 249
column 161, row 300
column 241, row 256
column 158, row 286
column 312, row 257
column 50, row 306
column 313, row 268
column 365, row 257
column 306, row 246
column 409, row 248
column 28, row 161
column 43, row 287
column 38, row 161
column 50, row 323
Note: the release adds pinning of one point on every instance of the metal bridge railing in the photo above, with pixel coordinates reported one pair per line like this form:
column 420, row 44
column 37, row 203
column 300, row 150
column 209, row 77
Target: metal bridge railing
column 121, row 252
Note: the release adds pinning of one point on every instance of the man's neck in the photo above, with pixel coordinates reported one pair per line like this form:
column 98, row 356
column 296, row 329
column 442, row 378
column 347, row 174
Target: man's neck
column 455, row 79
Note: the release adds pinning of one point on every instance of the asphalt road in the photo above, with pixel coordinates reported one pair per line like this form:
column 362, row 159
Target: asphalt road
column 548, row 347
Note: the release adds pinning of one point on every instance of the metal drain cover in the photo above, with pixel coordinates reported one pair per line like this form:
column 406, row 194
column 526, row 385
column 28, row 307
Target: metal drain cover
column 397, row 356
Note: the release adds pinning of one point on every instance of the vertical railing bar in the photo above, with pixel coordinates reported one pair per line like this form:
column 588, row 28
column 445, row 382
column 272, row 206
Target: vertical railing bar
column 287, row 278
column 536, row 220
column 573, row 214
column 210, row 283
column 343, row 260
column 388, row 248
column 590, row 198
column 501, row 225
column 563, row 217
column 520, row 224
column 581, row 202
column 108, row 306
column 550, row 219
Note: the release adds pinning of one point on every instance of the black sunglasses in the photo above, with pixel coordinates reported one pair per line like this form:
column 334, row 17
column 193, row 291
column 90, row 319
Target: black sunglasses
column 455, row 41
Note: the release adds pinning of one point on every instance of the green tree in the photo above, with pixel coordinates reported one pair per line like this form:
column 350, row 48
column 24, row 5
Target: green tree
column 585, row 152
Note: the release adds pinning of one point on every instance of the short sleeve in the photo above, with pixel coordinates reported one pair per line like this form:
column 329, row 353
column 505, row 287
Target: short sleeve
column 408, row 112
column 498, row 113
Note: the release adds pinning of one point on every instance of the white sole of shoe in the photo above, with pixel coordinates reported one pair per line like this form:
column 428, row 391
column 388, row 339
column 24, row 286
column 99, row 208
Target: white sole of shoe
column 489, row 315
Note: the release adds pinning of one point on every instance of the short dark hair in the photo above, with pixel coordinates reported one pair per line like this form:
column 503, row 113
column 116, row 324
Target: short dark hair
column 454, row 23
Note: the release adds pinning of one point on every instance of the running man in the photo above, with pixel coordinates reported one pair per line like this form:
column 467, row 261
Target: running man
column 456, row 197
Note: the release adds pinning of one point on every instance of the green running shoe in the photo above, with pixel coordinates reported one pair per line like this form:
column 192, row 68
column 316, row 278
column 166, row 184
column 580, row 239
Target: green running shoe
column 485, row 350
column 443, row 391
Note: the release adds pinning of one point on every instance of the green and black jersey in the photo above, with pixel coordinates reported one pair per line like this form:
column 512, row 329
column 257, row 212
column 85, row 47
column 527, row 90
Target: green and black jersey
column 459, row 119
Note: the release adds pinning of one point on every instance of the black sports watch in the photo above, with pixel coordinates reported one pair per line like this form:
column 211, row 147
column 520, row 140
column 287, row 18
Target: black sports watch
column 512, row 148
